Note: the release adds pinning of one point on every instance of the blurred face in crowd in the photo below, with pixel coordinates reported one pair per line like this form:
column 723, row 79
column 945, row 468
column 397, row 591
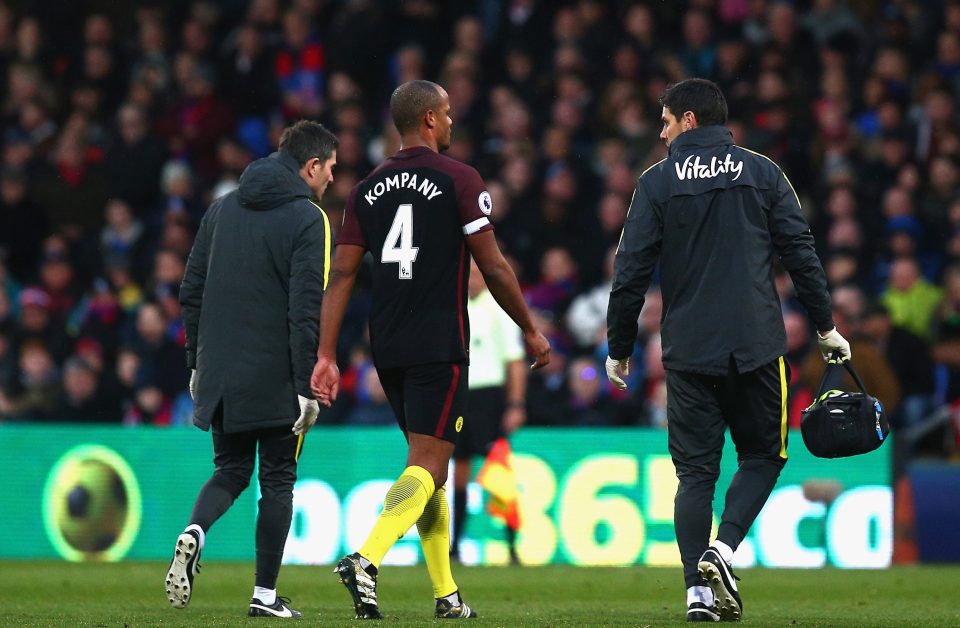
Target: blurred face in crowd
column 877, row 326
column 584, row 378
column 168, row 267
column 80, row 383
column 128, row 363
column 151, row 325
column 34, row 318
column 131, row 123
column 296, row 29
column 903, row 274
column 797, row 332
column 12, row 190
column 557, row 265
column 97, row 30
column 613, row 212
column 850, row 301
column 150, row 399
column 36, row 363
column 119, row 215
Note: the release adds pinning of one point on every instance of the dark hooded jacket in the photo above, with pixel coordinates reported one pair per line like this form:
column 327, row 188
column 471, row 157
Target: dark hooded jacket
column 251, row 299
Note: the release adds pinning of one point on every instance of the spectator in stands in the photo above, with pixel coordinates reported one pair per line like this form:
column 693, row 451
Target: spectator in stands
column 79, row 400
column 72, row 189
column 161, row 356
column 249, row 79
column 589, row 407
column 911, row 299
column 123, row 235
column 22, row 225
column 33, row 396
column 37, row 324
column 558, row 109
column 134, row 160
column 300, row 67
column 909, row 356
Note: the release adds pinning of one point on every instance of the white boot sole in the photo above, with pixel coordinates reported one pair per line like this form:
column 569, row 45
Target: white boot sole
column 178, row 582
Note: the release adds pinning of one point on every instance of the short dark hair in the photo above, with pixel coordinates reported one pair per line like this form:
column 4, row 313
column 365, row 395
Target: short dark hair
column 700, row 96
column 305, row 140
column 411, row 101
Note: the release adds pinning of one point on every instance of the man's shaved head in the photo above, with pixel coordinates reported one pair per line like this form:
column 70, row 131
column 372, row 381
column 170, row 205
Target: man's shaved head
column 411, row 101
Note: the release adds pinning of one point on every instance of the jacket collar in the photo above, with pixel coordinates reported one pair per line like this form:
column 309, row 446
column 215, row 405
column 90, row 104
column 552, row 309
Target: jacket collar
column 702, row 137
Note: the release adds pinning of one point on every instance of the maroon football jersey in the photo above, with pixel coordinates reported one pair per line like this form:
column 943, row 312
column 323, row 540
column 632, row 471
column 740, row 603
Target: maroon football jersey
column 413, row 213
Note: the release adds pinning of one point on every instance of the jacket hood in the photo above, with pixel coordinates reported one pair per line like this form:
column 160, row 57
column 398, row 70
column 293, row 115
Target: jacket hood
column 271, row 182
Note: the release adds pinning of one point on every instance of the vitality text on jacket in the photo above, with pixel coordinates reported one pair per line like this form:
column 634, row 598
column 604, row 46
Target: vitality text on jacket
column 403, row 180
column 691, row 168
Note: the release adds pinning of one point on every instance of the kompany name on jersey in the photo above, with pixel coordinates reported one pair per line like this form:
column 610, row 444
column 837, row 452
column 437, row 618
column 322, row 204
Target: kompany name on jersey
column 691, row 168
column 402, row 180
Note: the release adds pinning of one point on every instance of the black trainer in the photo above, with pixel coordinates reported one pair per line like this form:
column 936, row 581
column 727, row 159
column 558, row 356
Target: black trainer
column 184, row 565
column 448, row 610
column 279, row 608
column 361, row 584
column 698, row 611
column 719, row 575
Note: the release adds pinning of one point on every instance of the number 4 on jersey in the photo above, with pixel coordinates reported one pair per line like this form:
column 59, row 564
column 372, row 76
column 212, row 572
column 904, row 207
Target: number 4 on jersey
column 398, row 246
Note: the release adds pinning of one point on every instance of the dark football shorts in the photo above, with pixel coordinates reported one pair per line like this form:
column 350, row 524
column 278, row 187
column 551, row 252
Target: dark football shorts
column 428, row 399
column 484, row 424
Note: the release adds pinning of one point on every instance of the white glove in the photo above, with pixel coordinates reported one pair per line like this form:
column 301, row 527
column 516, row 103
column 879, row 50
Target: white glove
column 617, row 370
column 309, row 409
column 193, row 384
column 832, row 341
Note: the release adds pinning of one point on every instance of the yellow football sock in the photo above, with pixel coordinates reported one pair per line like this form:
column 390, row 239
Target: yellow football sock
column 402, row 506
column 434, row 528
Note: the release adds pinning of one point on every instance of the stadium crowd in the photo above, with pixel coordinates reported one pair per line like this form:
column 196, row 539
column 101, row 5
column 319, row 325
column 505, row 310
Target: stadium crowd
column 122, row 121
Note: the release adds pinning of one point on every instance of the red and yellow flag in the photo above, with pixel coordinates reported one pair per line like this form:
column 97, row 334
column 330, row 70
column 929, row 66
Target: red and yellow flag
column 499, row 480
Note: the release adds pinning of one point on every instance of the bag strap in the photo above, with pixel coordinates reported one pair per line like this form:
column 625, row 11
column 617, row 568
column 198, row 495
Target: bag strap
column 847, row 364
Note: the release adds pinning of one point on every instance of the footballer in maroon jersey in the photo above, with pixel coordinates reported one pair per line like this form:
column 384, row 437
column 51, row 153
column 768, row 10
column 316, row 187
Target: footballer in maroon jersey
column 421, row 215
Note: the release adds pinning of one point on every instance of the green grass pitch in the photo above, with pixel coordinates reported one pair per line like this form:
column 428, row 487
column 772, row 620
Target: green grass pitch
column 47, row 593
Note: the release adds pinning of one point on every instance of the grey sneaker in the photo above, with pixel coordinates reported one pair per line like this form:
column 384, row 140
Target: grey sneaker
column 361, row 584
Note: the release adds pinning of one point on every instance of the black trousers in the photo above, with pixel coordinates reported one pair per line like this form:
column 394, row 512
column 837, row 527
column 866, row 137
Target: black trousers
column 234, row 456
column 699, row 410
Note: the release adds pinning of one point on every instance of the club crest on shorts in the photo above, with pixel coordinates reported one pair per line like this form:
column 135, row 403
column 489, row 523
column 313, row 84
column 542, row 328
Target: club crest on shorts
column 485, row 202
column 459, row 424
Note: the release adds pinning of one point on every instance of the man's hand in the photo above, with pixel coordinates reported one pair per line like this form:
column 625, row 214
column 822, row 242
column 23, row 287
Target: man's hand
column 193, row 384
column 832, row 341
column 617, row 370
column 540, row 348
column 325, row 381
column 309, row 410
